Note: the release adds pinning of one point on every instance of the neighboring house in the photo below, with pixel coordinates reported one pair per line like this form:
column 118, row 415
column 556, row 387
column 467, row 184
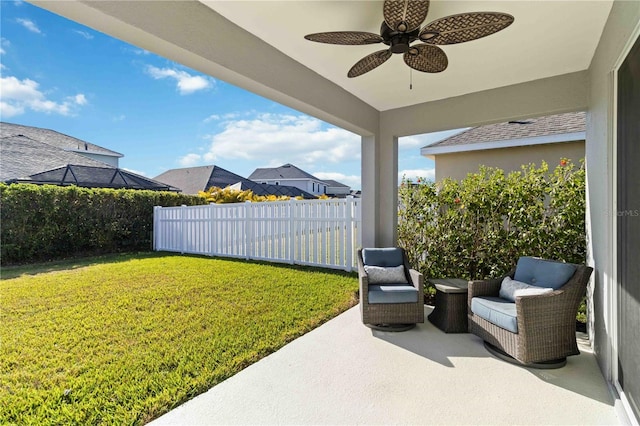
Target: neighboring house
column 94, row 177
column 510, row 145
column 288, row 174
column 191, row 180
column 28, row 157
column 62, row 141
column 337, row 189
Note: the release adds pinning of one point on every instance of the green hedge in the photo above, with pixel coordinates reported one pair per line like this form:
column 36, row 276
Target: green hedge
column 478, row 227
column 52, row 222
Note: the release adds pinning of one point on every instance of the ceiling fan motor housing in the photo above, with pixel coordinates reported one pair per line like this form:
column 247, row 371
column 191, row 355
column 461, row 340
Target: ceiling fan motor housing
column 398, row 41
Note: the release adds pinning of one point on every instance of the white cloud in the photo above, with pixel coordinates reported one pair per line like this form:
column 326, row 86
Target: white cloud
column 187, row 83
column 120, row 117
column 281, row 138
column 413, row 175
column 419, row 141
column 8, row 110
column 19, row 95
column 225, row 117
column 190, row 160
column 84, row 34
column 353, row 181
column 30, row 25
column 138, row 51
column 80, row 99
column 138, row 172
column 4, row 43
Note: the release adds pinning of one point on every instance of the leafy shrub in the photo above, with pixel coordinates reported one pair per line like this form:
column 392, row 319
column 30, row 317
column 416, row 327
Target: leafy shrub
column 229, row 195
column 52, row 222
column 478, row 227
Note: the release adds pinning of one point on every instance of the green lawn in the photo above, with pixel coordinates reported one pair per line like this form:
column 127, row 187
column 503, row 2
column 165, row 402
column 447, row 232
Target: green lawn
column 123, row 339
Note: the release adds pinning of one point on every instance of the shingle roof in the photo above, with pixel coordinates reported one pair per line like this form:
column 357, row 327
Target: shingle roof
column 573, row 122
column 95, row 177
column 331, row 182
column 286, row 171
column 194, row 179
column 53, row 138
column 265, row 189
column 26, row 160
column 189, row 179
column 23, row 156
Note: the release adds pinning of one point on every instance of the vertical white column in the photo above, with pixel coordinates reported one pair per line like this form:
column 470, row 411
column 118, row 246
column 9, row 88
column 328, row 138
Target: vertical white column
column 350, row 246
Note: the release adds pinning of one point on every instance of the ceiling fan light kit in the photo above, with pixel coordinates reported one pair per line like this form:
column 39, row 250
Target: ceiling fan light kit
column 401, row 27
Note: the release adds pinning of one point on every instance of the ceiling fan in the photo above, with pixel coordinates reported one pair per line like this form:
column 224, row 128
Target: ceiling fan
column 401, row 27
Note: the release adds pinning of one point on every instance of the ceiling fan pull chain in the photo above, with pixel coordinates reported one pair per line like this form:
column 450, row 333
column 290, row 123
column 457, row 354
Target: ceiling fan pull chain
column 410, row 79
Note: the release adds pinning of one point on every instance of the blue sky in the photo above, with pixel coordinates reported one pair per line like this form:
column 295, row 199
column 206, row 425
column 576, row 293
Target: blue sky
column 63, row 76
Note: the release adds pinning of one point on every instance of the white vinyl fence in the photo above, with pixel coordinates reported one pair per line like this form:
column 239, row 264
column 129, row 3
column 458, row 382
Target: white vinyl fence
column 307, row 232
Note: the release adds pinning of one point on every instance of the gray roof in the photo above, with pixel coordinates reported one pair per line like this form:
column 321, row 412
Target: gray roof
column 53, row 138
column 194, row 179
column 189, row 179
column 95, row 177
column 558, row 124
column 26, row 160
column 331, row 182
column 286, row 171
column 23, row 156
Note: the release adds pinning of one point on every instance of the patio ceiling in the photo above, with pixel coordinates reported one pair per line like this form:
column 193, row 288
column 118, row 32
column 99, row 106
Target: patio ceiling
column 548, row 38
column 259, row 46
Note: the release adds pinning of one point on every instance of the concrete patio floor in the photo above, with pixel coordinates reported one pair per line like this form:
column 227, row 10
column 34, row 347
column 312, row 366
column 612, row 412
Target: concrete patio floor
column 346, row 373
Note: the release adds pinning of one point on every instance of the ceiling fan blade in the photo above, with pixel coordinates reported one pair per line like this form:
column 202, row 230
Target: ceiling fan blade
column 464, row 27
column 369, row 62
column 426, row 58
column 405, row 15
column 345, row 37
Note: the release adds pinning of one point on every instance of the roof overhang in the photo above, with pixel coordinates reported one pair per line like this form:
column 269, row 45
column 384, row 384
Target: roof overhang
column 482, row 146
column 259, row 46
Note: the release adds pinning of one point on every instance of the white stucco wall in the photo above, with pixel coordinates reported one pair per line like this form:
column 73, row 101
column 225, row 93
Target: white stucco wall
column 617, row 37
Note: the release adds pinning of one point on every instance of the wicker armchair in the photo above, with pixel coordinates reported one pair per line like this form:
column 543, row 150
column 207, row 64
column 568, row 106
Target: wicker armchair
column 546, row 323
column 394, row 306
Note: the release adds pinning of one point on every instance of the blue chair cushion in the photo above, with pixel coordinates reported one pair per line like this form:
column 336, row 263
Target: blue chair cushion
column 543, row 273
column 393, row 293
column 497, row 311
column 388, row 256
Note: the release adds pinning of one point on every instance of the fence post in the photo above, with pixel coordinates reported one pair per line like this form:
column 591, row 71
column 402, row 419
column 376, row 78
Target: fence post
column 183, row 210
column 212, row 223
column 292, row 230
column 154, row 240
column 348, row 219
column 248, row 230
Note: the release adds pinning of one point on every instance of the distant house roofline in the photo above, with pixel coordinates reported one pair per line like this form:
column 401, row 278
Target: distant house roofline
column 538, row 140
column 557, row 128
column 55, row 138
column 94, row 177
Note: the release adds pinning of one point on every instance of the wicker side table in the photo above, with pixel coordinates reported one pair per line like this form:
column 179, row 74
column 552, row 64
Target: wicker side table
column 450, row 311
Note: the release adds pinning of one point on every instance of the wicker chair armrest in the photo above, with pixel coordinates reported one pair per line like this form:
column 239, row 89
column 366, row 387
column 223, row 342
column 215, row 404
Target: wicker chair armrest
column 363, row 278
column 417, row 280
column 364, row 286
column 547, row 309
column 489, row 287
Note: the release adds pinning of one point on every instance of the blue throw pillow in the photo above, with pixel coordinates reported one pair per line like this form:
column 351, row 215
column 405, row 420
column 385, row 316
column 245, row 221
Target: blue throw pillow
column 543, row 273
column 388, row 256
